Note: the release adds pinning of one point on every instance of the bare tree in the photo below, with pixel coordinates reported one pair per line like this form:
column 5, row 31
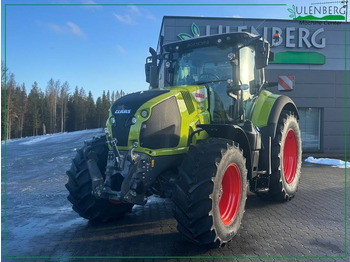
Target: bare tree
column 52, row 90
column 63, row 102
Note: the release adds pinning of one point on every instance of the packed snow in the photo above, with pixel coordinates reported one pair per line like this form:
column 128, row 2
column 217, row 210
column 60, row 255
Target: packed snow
column 328, row 162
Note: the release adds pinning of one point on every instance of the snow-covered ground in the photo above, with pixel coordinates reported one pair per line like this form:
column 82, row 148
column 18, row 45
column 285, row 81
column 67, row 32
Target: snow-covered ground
column 328, row 162
column 38, row 155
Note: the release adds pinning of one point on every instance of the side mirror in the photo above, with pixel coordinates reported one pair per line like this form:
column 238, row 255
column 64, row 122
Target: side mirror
column 148, row 66
column 151, row 69
column 262, row 51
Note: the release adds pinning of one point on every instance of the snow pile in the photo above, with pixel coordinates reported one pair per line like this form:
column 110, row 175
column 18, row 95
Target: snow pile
column 328, row 162
column 35, row 140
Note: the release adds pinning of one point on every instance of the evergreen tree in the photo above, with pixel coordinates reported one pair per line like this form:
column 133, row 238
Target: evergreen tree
column 33, row 112
column 99, row 112
column 10, row 107
column 63, row 101
column 54, row 110
column 3, row 101
column 91, row 120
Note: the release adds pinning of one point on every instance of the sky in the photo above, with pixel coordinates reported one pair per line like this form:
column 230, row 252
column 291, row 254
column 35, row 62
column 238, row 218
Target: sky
column 99, row 47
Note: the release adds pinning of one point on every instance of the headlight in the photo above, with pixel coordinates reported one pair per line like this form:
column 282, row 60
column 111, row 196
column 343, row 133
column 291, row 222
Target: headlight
column 133, row 120
column 144, row 113
column 112, row 120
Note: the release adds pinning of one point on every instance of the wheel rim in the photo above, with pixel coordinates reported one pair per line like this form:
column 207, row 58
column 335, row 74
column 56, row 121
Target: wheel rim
column 290, row 156
column 231, row 194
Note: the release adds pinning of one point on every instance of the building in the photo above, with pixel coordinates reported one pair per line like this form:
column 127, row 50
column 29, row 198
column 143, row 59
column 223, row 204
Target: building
column 311, row 51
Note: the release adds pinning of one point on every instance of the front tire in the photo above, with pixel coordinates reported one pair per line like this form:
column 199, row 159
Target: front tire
column 80, row 189
column 211, row 192
column 286, row 158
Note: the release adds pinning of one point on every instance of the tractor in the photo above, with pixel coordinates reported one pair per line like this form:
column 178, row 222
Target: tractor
column 205, row 133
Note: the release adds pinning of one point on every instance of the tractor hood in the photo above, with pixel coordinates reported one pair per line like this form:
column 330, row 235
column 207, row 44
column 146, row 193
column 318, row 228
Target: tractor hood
column 124, row 110
column 157, row 122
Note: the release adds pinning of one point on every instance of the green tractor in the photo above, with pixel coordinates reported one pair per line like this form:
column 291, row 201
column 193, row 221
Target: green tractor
column 205, row 133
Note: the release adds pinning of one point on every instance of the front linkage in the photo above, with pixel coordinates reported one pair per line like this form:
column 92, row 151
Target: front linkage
column 135, row 168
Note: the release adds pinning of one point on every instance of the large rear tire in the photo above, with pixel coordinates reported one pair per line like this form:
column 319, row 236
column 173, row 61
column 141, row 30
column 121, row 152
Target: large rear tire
column 80, row 190
column 286, row 158
column 211, row 192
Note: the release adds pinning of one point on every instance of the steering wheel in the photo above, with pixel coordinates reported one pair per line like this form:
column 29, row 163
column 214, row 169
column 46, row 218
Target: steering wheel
column 208, row 77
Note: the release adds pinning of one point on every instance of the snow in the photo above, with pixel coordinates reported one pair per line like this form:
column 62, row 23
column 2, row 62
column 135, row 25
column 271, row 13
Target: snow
column 34, row 140
column 38, row 156
column 328, row 162
column 53, row 137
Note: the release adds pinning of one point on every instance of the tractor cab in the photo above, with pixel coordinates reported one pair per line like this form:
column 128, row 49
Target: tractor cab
column 230, row 66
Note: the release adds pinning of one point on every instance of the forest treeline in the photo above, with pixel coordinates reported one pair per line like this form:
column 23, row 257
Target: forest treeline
column 56, row 108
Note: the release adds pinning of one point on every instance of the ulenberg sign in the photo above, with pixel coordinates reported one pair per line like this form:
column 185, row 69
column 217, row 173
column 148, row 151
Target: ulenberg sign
column 318, row 11
column 291, row 37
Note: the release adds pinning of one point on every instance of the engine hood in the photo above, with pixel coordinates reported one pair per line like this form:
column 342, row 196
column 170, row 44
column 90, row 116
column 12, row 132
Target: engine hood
column 128, row 104
column 124, row 109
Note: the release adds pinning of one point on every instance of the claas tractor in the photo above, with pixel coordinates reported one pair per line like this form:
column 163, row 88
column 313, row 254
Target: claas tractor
column 205, row 133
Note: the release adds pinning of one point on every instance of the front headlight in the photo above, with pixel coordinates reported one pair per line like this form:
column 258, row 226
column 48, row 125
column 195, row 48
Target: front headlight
column 133, row 120
column 112, row 119
column 144, row 113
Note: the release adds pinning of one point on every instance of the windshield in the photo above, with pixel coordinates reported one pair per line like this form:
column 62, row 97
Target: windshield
column 202, row 65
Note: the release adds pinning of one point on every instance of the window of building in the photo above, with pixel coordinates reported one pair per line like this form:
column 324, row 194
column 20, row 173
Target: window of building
column 310, row 127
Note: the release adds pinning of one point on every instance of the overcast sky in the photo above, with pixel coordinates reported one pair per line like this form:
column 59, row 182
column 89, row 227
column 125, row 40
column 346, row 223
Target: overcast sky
column 99, row 47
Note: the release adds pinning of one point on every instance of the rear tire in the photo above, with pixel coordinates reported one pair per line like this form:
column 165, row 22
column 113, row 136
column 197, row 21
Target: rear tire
column 80, row 190
column 286, row 158
column 211, row 192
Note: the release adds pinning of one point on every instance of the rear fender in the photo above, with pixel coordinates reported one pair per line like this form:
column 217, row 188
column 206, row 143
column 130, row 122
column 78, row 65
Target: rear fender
column 268, row 109
column 268, row 131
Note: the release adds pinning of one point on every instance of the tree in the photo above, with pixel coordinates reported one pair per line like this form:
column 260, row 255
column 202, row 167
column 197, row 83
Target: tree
column 99, row 112
column 54, row 110
column 33, row 112
column 63, row 101
column 82, row 108
column 91, row 121
column 20, row 102
column 10, row 88
column 3, row 101
column 106, row 104
column 51, row 94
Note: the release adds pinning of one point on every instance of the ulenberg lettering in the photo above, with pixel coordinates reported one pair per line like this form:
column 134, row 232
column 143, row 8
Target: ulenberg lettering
column 320, row 10
column 124, row 111
column 293, row 37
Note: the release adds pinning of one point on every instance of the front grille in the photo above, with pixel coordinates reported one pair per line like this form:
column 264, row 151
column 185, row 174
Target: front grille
column 120, row 130
column 162, row 129
column 125, row 108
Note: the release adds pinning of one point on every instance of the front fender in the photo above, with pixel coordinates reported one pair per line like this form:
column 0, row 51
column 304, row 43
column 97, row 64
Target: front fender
column 234, row 133
column 268, row 109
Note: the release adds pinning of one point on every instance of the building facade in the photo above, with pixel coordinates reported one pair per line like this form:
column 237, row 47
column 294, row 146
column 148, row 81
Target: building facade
column 311, row 51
